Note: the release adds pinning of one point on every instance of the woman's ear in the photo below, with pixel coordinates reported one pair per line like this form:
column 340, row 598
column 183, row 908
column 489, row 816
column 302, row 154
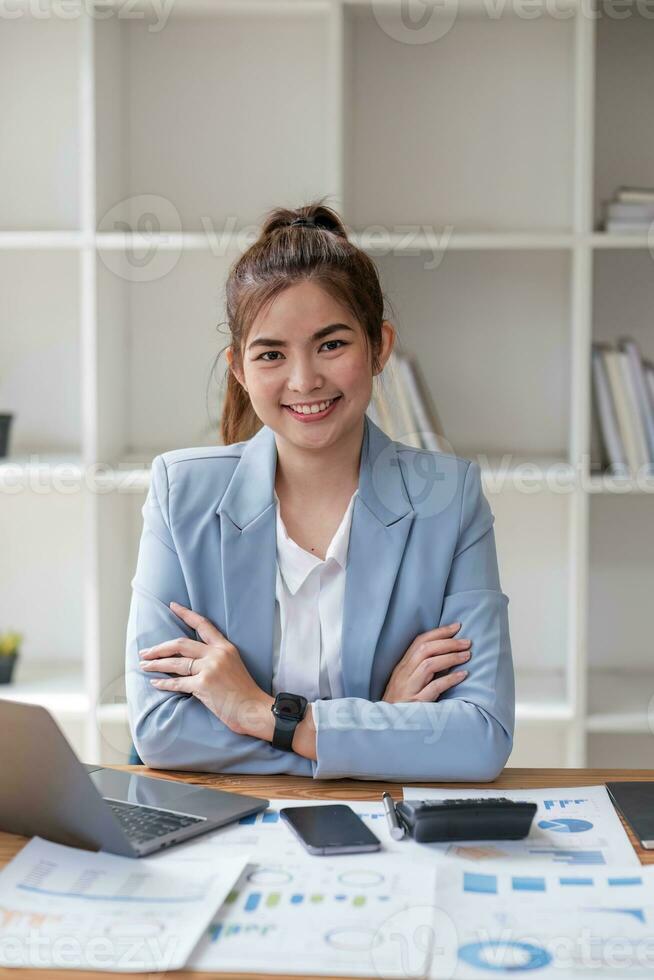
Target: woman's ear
column 233, row 367
column 388, row 342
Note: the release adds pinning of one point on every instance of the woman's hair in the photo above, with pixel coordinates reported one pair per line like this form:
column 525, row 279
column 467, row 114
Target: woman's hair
column 285, row 254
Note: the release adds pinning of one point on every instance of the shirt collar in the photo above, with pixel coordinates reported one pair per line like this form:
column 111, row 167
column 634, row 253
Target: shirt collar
column 295, row 564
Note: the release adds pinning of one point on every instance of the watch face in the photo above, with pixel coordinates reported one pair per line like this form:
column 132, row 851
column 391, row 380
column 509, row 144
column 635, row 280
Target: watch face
column 289, row 705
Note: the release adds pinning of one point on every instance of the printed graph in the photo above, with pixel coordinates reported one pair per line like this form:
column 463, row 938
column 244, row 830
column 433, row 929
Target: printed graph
column 566, row 825
column 487, row 884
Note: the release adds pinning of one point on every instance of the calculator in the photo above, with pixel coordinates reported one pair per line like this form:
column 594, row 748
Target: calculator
column 484, row 818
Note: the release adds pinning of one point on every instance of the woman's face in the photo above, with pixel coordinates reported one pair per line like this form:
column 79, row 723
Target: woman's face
column 285, row 364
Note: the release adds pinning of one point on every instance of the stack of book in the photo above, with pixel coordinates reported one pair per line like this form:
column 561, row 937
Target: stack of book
column 623, row 388
column 404, row 409
column 630, row 210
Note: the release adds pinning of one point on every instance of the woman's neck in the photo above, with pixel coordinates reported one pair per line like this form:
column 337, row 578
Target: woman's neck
column 319, row 474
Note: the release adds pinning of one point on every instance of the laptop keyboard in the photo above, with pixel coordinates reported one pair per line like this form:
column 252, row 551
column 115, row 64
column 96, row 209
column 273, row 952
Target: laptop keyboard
column 144, row 823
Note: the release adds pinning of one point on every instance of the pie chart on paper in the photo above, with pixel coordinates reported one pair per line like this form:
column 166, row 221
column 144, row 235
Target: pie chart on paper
column 566, row 825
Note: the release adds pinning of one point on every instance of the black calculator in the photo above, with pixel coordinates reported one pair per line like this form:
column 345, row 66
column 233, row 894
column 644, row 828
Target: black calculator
column 494, row 818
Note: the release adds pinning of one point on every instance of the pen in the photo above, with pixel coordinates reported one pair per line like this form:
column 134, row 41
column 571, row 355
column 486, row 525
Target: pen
column 396, row 831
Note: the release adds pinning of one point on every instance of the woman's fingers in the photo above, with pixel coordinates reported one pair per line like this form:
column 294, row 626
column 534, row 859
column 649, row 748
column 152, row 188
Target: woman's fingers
column 171, row 665
column 432, row 665
column 185, row 685
column 448, row 630
column 441, row 647
column 203, row 626
column 170, row 648
column 434, row 689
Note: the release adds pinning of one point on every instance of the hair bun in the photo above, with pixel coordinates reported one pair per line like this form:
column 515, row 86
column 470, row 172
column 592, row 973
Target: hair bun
column 320, row 219
column 308, row 221
column 314, row 215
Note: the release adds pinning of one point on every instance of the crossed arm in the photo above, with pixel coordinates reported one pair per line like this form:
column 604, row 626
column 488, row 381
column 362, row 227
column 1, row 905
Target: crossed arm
column 212, row 716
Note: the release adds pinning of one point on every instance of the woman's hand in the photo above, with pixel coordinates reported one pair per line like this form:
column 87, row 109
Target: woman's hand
column 214, row 673
column 413, row 677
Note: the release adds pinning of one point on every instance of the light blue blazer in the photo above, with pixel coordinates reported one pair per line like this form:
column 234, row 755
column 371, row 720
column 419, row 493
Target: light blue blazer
column 421, row 554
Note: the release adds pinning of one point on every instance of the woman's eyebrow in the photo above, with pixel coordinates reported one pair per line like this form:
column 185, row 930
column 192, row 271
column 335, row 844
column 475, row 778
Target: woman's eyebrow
column 323, row 332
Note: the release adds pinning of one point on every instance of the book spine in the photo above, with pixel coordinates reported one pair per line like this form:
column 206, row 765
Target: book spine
column 641, row 395
column 606, row 412
column 612, row 360
column 636, row 421
column 384, row 413
column 429, row 437
column 627, row 227
column 372, row 411
column 629, row 211
column 635, row 194
column 408, row 428
column 649, row 374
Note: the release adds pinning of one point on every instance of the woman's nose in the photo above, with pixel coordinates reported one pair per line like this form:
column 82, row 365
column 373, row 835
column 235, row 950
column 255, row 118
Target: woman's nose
column 303, row 379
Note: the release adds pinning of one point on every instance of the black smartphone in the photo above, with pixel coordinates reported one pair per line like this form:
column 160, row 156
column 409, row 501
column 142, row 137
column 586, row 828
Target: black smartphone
column 330, row 829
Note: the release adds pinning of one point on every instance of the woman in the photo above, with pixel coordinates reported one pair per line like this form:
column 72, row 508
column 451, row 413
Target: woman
column 313, row 597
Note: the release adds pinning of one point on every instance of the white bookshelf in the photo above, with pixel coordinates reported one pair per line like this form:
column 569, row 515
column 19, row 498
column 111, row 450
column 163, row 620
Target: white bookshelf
column 472, row 169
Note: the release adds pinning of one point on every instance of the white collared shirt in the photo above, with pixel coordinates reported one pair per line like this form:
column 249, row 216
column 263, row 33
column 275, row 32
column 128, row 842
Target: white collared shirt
column 309, row 614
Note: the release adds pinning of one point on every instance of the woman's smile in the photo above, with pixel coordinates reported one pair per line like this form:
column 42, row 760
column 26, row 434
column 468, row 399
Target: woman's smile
column 311, row 415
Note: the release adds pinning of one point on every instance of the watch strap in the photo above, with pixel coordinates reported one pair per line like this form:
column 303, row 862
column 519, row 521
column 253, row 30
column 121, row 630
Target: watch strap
column 284, row 732
column 286, row 722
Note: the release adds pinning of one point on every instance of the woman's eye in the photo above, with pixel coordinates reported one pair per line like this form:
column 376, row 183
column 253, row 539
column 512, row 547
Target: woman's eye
column 263, row 356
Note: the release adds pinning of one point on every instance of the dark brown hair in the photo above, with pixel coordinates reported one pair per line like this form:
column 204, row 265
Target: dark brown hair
column 285, row 254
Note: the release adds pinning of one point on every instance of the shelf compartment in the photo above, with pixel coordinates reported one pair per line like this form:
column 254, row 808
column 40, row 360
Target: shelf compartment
column 624, row 147
column 531, row 537
column 491, row 331
column 420, row 121
column 160, row 374
column 198, row 78
column 42, row 574
column 621, row 585
column 623, row 297
column 40, row 352
column 39, row 164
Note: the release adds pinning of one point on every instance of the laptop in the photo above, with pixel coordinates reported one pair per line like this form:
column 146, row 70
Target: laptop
column 47, row 791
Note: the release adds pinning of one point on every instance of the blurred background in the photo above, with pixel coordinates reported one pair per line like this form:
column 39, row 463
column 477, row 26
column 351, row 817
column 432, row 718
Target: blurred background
column 494, row 157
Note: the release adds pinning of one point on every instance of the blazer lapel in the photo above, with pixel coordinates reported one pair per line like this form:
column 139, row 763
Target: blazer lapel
column 381, row 520
column 249, row 555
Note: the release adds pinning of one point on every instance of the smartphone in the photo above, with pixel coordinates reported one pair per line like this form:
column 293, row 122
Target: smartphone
column 330, row 829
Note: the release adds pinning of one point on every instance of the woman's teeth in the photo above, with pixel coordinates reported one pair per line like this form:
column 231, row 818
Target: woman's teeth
column 312, row 409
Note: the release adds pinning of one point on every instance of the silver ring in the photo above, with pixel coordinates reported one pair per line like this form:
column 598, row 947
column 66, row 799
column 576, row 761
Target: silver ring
column 190, row 667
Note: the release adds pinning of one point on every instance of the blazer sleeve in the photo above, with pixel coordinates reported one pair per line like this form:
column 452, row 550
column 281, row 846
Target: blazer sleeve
column 172, row 730
column 468, row 733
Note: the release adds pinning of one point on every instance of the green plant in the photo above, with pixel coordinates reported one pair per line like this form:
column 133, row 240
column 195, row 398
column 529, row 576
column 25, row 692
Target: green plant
column 9, row 643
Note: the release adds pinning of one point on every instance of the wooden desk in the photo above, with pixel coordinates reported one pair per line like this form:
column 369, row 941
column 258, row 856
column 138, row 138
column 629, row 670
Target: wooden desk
column 297, row 787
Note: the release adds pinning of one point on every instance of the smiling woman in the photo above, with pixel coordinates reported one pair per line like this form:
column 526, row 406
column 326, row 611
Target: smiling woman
column 300, row 590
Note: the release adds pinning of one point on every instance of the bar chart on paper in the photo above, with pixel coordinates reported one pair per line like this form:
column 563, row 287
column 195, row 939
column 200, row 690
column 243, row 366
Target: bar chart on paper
column 510, row 920
column 288, row 917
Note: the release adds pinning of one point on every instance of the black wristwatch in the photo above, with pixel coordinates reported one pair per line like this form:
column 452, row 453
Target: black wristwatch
column 288, row 710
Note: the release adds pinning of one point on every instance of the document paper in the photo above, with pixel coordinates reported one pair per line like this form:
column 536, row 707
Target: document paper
column 291, row 912
column 574, row 825
column 504, row 919
column 67, row 908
